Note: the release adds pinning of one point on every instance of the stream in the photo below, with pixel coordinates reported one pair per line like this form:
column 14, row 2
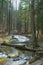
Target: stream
column 13, row 56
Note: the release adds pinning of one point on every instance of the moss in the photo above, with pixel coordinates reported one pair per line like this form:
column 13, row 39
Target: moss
column 3, row 60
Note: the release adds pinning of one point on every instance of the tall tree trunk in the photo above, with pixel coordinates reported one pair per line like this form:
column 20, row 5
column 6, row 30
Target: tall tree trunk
column 32, row 13
column 9, row 18
column 2, row 16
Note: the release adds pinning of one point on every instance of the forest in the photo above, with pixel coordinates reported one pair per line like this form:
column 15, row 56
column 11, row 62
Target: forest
column 21, row 27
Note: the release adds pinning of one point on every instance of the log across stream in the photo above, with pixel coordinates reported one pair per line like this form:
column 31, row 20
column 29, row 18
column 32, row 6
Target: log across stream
column 22, row 47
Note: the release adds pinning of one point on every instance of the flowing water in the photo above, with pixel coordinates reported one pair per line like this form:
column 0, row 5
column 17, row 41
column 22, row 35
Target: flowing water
column 13, row 56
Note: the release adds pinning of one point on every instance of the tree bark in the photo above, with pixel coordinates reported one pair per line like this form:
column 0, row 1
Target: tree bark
column 33, row 28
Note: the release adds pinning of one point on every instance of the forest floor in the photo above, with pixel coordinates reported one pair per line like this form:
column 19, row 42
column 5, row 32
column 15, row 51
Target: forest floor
column 40, row 61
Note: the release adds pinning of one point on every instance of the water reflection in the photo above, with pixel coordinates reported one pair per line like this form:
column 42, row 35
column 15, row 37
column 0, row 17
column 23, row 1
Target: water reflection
column 15, row 55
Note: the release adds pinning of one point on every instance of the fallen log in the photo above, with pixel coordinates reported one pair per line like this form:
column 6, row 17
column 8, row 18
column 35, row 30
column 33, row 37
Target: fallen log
column 22, row 47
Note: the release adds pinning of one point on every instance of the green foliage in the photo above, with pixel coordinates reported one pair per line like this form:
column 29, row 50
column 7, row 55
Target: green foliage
column 40, row 15
column 24, row 14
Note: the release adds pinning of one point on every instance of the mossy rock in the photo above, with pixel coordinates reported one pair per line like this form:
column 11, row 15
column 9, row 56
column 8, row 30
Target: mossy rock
column 12, row 55
column 3, row 60
column 7, row 40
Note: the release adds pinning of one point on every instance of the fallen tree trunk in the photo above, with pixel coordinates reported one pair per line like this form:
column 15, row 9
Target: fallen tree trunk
column 22, row 47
